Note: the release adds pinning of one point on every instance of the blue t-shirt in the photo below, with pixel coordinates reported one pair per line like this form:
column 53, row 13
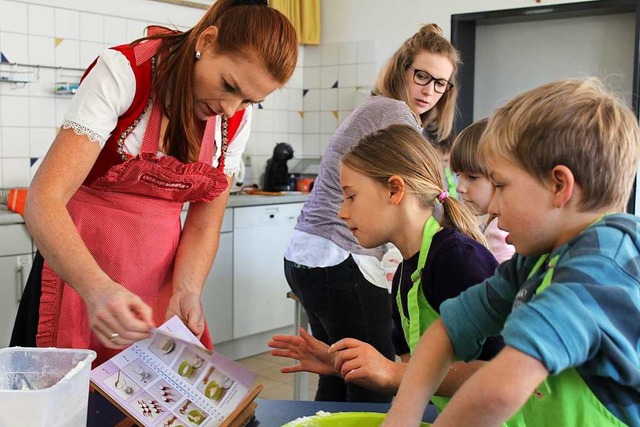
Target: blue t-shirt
column 588, row 318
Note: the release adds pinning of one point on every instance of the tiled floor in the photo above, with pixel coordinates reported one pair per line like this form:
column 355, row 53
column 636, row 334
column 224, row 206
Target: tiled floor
column 276, row 384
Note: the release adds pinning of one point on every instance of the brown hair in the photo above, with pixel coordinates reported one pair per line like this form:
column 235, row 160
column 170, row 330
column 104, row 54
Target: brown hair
column 245, row 28
column 464, row 152
column 443, row 146
column 392, row 81
column 575, row 123
column 410, row 156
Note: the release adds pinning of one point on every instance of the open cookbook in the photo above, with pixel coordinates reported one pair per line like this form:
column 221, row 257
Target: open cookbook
column 171, row 380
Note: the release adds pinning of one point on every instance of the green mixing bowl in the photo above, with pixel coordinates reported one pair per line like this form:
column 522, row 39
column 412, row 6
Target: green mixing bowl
column 342, row 419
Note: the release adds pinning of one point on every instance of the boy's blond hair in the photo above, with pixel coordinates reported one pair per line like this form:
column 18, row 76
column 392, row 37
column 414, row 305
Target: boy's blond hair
column 464, row 152
column 575, row 123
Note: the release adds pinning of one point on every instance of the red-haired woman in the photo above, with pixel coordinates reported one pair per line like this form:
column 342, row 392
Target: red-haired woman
column 155, row 123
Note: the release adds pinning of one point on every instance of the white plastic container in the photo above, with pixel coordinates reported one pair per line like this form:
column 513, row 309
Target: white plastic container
column 44, row 386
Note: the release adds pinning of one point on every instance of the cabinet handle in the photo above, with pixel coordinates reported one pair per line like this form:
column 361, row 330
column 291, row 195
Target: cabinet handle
column 20, row 282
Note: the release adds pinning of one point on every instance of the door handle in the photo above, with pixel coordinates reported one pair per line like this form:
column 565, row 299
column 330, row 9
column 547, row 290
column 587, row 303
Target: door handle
column 24, row 263
column 20, row 287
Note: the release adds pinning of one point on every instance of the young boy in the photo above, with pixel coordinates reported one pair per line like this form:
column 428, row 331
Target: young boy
column 562, row 158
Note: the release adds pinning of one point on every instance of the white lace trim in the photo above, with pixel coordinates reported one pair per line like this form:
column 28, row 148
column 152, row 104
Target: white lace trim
column 231, row 170
column 84, row 130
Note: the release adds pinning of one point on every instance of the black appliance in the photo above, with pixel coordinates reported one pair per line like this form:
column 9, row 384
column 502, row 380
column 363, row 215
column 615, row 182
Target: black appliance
column 276, row 175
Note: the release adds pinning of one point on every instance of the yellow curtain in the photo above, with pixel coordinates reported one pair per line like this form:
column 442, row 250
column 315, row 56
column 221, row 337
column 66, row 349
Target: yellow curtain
column 305, row 17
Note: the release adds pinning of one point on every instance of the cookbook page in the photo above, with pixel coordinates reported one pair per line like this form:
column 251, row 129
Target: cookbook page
column 171, row 380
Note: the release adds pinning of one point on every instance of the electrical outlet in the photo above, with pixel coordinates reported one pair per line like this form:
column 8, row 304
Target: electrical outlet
column 247, row 160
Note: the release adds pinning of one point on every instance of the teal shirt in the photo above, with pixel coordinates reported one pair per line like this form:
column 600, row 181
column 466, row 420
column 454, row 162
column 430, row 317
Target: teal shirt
column 588, row 318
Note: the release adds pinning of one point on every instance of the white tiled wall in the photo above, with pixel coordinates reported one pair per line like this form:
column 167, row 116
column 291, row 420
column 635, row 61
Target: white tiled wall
column 333, row 75
column 321, row 93
column 47, row 36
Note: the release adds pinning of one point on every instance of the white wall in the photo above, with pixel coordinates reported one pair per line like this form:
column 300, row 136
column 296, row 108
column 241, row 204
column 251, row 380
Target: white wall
column 507, row 63
column 389, row 23
column 70, row 34
column 146, row 10
column 358, row 36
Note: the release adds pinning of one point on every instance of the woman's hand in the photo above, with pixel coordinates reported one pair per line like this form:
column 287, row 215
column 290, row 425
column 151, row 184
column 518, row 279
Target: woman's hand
column 360, row 363
column 311, row 353
column 188, row 307
column 117, row 316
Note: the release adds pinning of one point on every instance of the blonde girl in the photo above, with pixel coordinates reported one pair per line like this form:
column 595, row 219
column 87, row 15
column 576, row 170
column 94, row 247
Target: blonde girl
column 391, row 181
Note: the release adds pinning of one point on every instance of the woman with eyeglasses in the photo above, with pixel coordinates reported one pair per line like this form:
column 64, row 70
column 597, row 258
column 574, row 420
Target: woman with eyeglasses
column 341, row 285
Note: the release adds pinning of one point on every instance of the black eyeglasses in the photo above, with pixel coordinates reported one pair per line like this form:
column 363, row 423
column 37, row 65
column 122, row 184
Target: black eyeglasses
column 422, row 78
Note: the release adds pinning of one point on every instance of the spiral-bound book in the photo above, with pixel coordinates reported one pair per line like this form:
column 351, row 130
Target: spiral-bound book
column 171, row 380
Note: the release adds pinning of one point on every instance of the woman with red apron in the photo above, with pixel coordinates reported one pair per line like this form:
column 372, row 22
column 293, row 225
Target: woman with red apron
column 113, row 261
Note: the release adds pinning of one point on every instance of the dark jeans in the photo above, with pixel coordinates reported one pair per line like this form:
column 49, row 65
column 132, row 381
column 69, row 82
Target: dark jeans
column 25, row 327
column 341, row 303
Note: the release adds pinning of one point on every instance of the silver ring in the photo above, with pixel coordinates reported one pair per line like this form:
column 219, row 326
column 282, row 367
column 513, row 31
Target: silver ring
column 113, row 336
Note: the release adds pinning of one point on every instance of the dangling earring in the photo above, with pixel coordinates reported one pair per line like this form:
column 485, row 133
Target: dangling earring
column 198, row 55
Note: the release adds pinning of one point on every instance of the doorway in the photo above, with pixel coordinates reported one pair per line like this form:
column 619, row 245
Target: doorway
column 509, row 51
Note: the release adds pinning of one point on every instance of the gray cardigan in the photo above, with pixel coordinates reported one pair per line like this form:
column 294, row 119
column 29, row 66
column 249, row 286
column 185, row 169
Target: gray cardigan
column 320, row 212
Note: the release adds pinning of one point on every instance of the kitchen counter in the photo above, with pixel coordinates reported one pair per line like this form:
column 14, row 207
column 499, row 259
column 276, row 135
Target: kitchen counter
column 9, row 217
column 240, row 200
column 269, row 413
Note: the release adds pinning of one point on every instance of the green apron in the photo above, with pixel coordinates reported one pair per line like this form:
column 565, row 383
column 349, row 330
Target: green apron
column 563, row 400
column 421, row 314
column 451, row 182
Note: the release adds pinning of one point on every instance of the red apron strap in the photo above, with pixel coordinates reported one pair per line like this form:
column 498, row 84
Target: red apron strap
column 208, row 141
column 152, row 133
column 109, row 155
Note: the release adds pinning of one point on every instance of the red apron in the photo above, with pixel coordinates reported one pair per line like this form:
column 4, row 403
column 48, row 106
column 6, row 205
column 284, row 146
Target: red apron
column 129, row 220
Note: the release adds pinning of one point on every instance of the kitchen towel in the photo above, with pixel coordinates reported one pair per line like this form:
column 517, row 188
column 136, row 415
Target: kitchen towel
column 16, row 200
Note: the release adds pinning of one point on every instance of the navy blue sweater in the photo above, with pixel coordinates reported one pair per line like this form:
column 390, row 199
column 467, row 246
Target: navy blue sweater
column 455, row 262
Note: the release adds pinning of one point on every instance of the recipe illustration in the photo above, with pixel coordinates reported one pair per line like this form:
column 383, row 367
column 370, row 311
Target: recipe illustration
column 171, row 380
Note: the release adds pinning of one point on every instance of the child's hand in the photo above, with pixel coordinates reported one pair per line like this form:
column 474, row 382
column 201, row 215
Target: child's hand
column 360, row 363
column 310, row 352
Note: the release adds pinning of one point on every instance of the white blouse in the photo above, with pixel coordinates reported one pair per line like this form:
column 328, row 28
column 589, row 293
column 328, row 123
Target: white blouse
column 107, row 92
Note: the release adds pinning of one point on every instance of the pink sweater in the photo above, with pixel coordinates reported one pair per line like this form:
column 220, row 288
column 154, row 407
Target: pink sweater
column 497, row 244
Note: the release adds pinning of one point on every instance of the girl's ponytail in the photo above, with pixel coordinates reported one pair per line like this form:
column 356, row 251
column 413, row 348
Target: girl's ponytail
column 458, row 216
column 401, row 150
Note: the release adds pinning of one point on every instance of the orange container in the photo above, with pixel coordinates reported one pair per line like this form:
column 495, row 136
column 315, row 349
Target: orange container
column 304, row 184
column 16, row 200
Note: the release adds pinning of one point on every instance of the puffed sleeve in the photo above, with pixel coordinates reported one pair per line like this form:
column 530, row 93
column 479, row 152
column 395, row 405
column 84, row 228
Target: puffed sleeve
column 105, row 94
